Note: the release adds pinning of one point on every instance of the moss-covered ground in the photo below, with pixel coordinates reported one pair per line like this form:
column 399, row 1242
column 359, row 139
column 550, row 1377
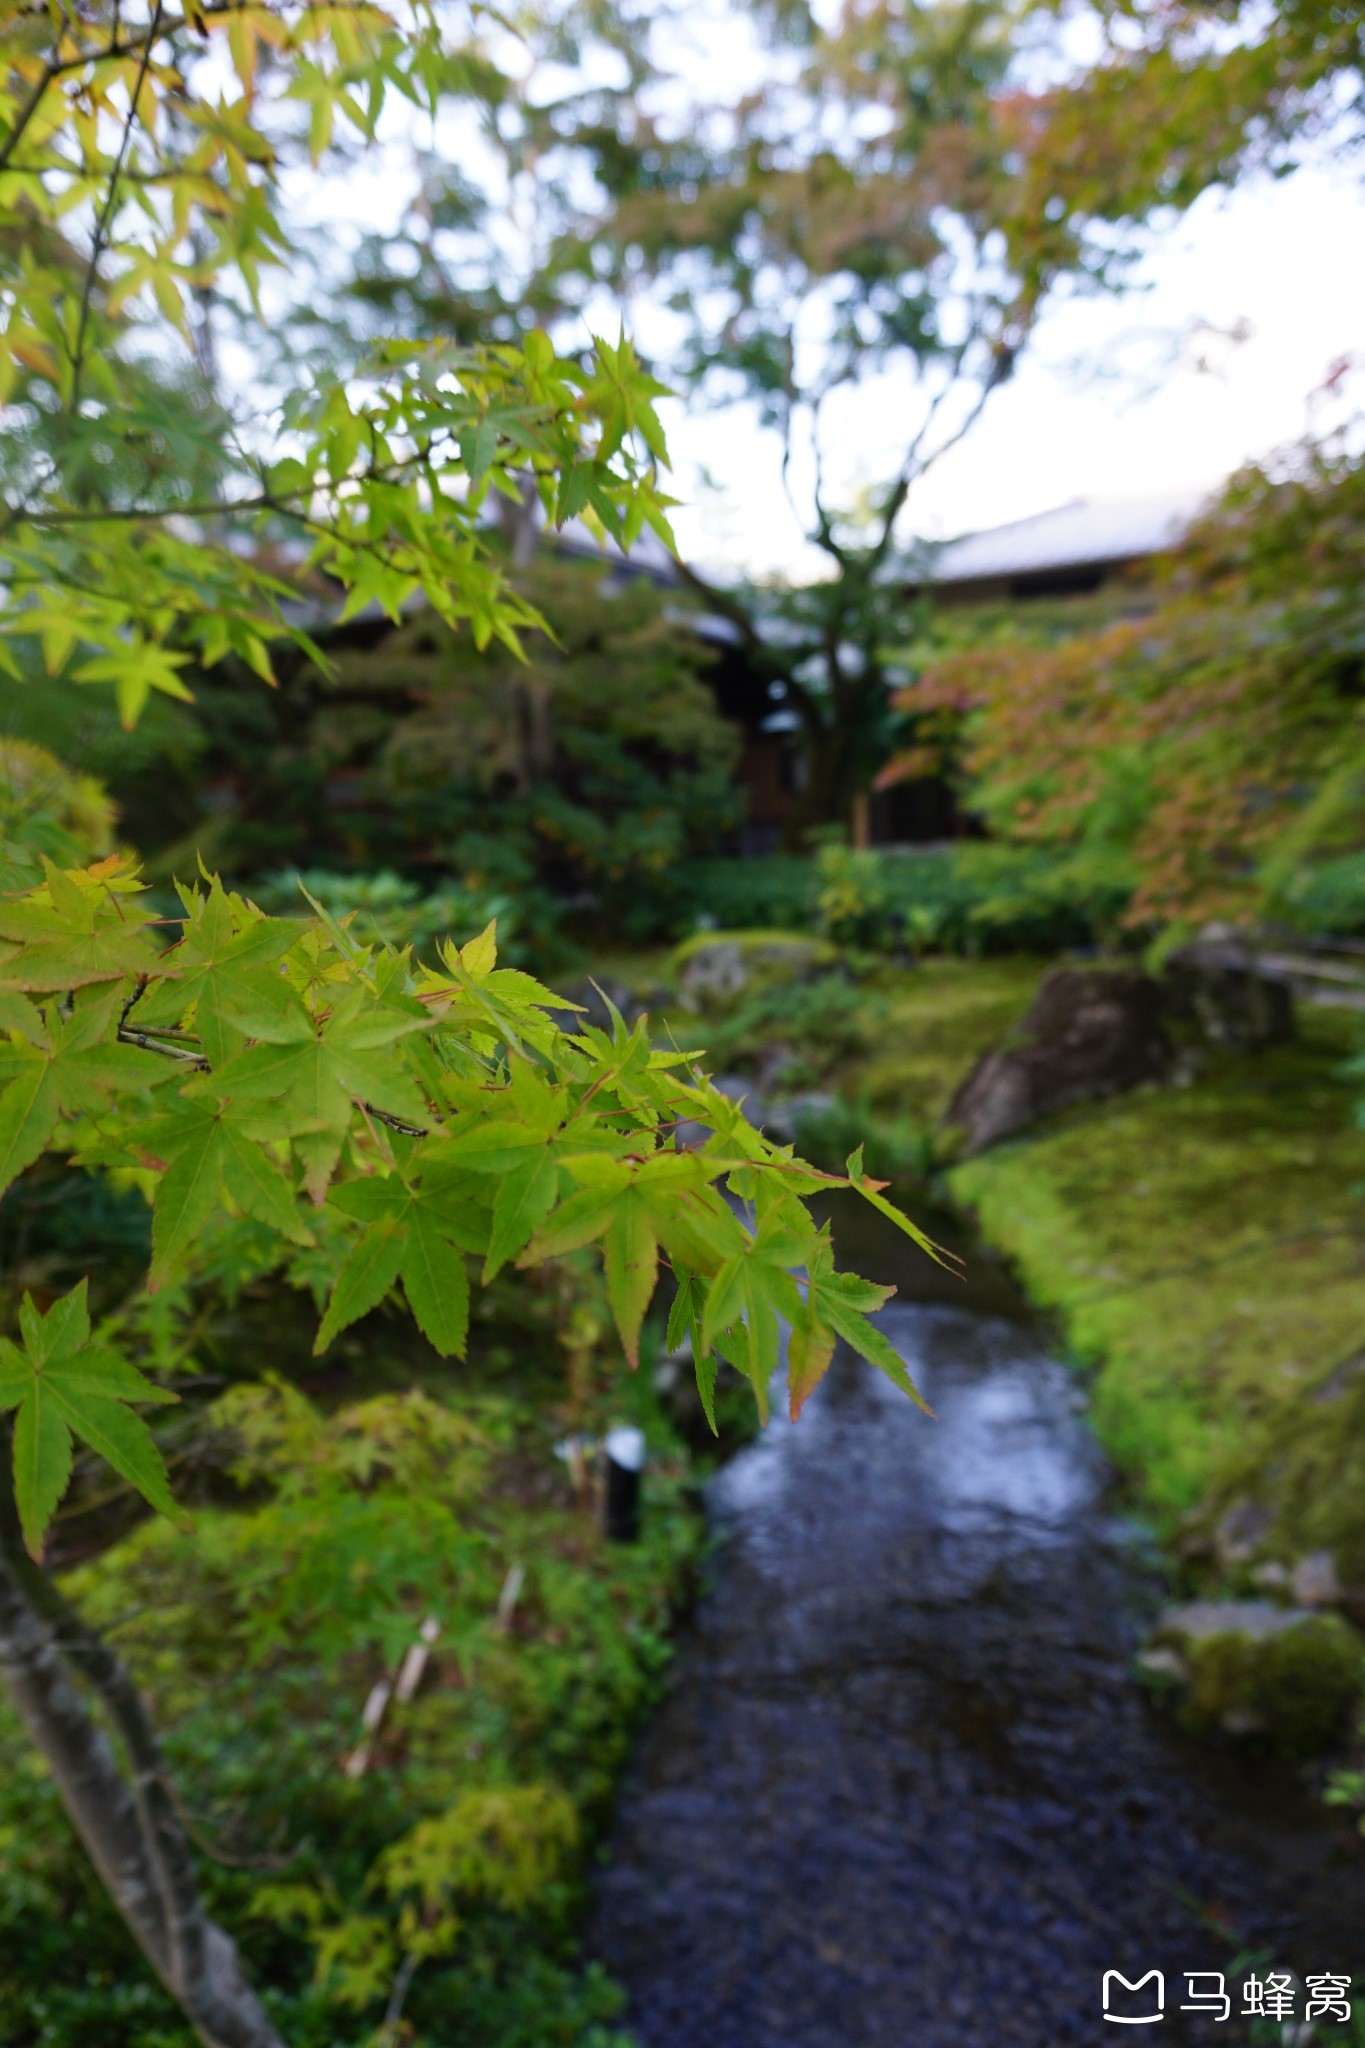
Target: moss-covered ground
column 1204, row 1248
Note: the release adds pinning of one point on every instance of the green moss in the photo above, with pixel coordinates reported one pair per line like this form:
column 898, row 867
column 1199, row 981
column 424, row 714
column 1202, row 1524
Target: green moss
column 1291, row 1689
column 1202, row 1247
column 771, row 947
column 932, row 1023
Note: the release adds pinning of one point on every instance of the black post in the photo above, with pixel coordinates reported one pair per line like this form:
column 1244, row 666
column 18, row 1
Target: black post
column 623, row 1458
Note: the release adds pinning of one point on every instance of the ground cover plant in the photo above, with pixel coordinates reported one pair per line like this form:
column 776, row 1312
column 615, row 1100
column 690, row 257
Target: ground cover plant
column 328, row 1524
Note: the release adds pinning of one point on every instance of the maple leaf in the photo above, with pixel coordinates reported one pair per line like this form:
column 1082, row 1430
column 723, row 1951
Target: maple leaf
column 229, row 976
column 215, row 1148
column 76, row 1073
column 62, row 1385
column 838, row 1305
column 317, row 1073
column 74, row 930
column 417, row 1234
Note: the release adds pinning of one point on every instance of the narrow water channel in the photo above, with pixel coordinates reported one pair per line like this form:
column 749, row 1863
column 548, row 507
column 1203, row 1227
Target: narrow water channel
column 903, row 1791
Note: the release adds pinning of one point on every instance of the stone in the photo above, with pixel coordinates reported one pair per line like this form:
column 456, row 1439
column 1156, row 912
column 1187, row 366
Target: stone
column 1285, row 1675
column 1216, row 984
column 1163, row 1664
column 1197, row 1620
column 1088, row 1033
column 1241, row 1531
column 1314, row 1581
column 715, row 971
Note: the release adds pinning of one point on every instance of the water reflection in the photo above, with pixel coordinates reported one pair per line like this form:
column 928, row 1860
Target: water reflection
column 903, row 1790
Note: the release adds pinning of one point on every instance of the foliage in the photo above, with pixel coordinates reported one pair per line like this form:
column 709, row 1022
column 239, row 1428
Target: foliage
column 852, row 903
column 775, row 891
column 1182, row 97
column 45, row 810
column 141, row 177
column 383, row 907
column 1293, row 1688
column 428, row 1113
column 896, row 1147
column 258, row 1636
column 850, row 217
column 906, row 190
column 1326, row 898
column 791, row 1034
column 1218, row 744
column 976, row 897
column 576, row 775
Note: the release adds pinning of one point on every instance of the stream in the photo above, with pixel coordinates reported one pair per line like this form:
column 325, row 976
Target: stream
column 903, row 1791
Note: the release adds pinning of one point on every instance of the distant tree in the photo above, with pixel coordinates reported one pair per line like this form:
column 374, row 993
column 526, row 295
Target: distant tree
column 853, row 215
column 853, row 218
column 1181, row 97
column 900, row 196
column 1220, row 740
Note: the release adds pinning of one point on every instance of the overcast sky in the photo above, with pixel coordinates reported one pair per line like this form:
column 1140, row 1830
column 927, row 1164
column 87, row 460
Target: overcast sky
column 1112, row 402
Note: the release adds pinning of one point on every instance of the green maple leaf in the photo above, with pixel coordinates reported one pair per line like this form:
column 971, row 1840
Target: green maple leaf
column 215, row 1148
column 228, row 975
column 632, row 1266
column 74, row 1075
column 526, row 1194
column 685, row 1318
column 416, row 1234
column 838, row 1305
column 63, row 1385
column 749, row 1296
column 84, row 932
column 317, row 1074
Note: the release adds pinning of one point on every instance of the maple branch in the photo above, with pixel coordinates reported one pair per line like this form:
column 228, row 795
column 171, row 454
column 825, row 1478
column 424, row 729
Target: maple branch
column 99, row 243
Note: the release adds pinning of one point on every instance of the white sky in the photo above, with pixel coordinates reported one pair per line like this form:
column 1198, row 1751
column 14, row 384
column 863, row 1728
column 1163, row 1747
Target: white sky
column 1117, row 396
column 1110, row 402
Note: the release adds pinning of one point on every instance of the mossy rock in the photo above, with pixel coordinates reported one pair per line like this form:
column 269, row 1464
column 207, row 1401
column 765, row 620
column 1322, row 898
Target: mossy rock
column 1281, row 1675
column 713, row 969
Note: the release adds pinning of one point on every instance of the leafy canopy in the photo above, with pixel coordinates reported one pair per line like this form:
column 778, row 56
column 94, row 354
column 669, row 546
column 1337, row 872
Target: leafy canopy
column 141, row 155
column 441, row 1116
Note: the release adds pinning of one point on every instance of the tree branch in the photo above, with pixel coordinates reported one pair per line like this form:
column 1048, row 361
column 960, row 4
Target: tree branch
column 97, row 245
column 132, row 1831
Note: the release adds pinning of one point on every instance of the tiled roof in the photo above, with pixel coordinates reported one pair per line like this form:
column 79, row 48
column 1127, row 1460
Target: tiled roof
column 1084, row 531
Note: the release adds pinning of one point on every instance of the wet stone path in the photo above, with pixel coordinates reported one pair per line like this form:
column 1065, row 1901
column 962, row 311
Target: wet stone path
column 903, row 1792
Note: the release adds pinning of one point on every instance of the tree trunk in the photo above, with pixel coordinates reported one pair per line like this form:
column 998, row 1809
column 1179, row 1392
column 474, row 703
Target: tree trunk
column 128, row 1824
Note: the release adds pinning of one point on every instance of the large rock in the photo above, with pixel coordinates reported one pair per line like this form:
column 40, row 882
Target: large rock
column 1088, row 1033
column 1247, row 1668
column 1218, row 984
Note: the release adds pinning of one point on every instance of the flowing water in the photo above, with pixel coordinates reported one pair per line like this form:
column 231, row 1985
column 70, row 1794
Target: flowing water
column 903, row 1792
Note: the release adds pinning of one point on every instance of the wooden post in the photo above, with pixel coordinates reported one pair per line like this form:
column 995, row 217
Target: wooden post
column 862, row 821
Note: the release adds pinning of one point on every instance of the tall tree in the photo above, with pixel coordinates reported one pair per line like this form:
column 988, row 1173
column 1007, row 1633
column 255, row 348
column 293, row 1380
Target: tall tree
column 853, row 219
column 781, row 245
column 898, row 199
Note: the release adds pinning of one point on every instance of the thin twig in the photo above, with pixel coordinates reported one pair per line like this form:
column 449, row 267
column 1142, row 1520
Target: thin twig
column 97, row 246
